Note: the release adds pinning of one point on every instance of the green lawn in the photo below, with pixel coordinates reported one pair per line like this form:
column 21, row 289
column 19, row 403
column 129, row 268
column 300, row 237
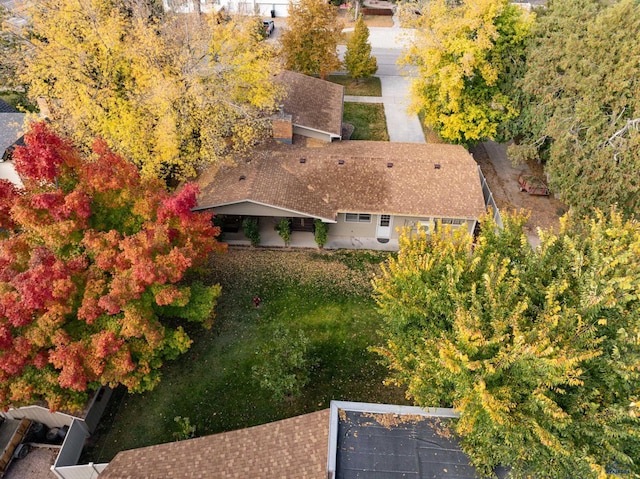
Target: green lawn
column 368, row 119
column 325, row 294
column 368, row 87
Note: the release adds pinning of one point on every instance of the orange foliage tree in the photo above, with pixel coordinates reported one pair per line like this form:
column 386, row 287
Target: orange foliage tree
column 92, row 274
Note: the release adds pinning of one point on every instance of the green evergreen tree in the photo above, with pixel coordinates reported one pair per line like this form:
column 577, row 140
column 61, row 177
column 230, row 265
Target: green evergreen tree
column 357, row 59
column 537, row 350
column 580, row 102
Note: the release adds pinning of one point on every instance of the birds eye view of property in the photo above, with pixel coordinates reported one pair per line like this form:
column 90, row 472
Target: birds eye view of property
column 319, row 239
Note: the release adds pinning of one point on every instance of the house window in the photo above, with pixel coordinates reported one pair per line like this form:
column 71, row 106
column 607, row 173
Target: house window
column 452, row 221
column 385, row 220
column 358, row 218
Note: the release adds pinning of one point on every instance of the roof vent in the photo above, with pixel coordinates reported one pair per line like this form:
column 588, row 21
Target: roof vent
column 437, row 166
column 303, row 160
column 389, row 165
column 341, row 162
column 242, row 178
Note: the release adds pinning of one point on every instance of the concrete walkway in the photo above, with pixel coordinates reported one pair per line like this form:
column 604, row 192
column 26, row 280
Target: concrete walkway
column 387, row 45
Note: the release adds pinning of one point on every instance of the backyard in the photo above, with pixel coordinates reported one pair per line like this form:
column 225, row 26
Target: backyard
column 326, row 295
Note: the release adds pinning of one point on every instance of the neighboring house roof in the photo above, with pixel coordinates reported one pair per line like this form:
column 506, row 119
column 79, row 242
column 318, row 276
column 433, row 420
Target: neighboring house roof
column 394, row 442
column 11, row 129
column 7, row 108
column 348, row 441
column 434, row 180
column 293, row 448
column 313, row 103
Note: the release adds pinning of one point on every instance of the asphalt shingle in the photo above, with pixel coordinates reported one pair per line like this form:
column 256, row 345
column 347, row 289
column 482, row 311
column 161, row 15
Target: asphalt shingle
column 407, row 179
column 293, row 448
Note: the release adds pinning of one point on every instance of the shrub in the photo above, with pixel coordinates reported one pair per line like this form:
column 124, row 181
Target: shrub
column 284, row 363
column 251, row 230
column 321, row 232
column 284, row 230
column 186, row 430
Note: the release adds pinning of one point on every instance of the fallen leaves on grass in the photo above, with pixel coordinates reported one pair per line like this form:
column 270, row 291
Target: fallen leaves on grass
column 267, row 267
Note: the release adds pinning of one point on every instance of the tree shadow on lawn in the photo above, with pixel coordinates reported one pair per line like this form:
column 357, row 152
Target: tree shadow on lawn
column 212, row 384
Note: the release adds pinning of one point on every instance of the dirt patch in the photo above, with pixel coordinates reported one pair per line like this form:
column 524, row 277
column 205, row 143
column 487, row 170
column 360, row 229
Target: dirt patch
column 502, row 178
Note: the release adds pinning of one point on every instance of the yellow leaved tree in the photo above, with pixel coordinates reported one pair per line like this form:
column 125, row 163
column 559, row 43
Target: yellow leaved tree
column 465, row 53
column 172, row 92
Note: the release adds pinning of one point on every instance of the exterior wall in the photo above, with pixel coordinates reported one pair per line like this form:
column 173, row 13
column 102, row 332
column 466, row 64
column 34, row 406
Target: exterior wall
column 92, row 415
column 96, row 408
column 342, row 228
column 252, row 209
column 245, row 7
column 302, row 131
column 281, row 8
column 342, row 234
column 261, row 7
column 40, row 414
column 72, row 445
column 85, row 471
column 345, row 234
column 411, row 221
column 187, row 6
column 8, row 172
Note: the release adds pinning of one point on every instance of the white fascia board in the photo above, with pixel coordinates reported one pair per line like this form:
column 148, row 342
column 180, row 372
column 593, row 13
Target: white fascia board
column 286, row 210
column 332, row 135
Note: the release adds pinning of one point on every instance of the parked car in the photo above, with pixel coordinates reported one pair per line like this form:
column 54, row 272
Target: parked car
column 269, row 26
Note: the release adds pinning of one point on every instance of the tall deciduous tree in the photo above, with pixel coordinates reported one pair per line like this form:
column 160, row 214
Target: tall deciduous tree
column 581, row 102
column 169, row 92
column 310, row 42
column 465, row 54
column 8, row 51
column 537, row 349
column 91, row 274
column 357, row 59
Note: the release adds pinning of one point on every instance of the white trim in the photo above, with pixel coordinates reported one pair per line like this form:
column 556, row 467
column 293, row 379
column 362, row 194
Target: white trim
column 358, row 220
column 200, row 208
column 331, row 135
column 384, row 232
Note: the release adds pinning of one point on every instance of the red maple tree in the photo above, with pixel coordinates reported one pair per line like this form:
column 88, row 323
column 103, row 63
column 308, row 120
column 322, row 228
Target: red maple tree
column 92, row 263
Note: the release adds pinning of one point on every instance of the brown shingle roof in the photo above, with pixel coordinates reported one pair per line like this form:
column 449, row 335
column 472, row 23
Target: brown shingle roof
column 294, row 448
column 313, row 103
column 321, row 187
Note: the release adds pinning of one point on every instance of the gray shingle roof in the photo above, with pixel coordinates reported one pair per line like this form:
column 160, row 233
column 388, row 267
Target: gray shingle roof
column 424, row 180
column 10, row 129
column 7, row 108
